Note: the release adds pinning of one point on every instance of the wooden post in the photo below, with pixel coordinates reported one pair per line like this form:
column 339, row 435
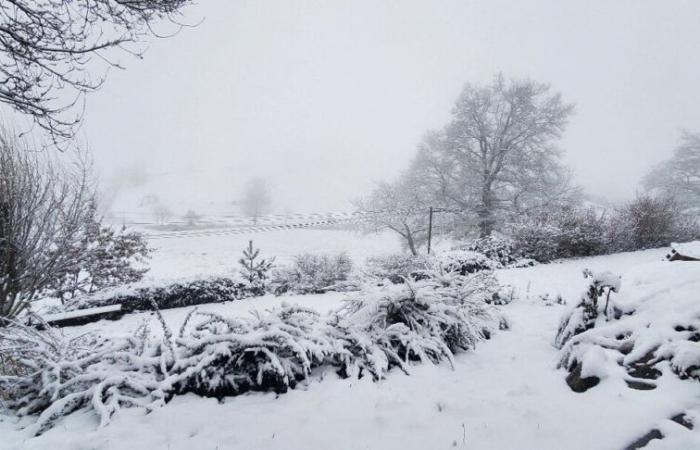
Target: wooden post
column 430, row 228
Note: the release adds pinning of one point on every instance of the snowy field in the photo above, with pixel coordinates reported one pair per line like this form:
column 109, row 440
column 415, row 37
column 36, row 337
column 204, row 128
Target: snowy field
column 507, row 394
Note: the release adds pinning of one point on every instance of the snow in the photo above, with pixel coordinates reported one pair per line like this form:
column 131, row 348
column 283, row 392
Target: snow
column 81, row 313
column 506, row 394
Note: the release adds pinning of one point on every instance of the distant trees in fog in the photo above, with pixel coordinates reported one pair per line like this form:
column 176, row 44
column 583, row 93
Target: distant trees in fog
column 679, row 176
column 256, row 200
column 497, row 157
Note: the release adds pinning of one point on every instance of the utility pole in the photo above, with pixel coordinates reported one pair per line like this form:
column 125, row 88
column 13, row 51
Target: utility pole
column 430, row 228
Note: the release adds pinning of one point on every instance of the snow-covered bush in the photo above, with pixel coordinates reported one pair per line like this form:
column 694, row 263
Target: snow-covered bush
column 427, row 320
column 650, row 222
column 383, row 327
column 268, row 351
column 175, row 295
column 563, row 233
column 653, row 328
column 396, row 267
column 54, row 375
column 496, row 248
column 464, row 262
column 312, row 274
column 583, row 316
column 105, row 258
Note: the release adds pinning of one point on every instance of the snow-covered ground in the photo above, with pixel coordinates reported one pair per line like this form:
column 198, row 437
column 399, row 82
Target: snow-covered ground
column 507, row 394
column 218, row 255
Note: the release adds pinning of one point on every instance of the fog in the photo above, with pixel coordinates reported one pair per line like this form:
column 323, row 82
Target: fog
column 323, row 99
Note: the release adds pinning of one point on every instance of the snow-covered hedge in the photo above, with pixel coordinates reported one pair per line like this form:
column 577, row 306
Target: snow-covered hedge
column 382, row 327
column 312, row 274
column 650, row 328
column 175, row 295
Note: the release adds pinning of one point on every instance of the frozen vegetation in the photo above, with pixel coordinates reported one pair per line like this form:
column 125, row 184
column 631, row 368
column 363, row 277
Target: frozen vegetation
column 325, row 365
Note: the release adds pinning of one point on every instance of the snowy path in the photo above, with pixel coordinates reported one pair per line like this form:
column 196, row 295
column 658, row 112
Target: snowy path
column 505, row 395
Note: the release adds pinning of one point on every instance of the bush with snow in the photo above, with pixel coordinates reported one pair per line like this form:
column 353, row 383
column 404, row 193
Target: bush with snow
column 391, row 326
column 175, row 295
column 650, row 222
column 497, row 248
column 652, row 329
column 396, row 268
column 313, row 274
column 53, row 375
column 270, row 351
column 428, row 320
column 564, row 233
column 583, row 316
column 464, row 262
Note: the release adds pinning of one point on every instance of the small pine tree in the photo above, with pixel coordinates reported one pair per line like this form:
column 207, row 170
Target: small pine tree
column 254, row 270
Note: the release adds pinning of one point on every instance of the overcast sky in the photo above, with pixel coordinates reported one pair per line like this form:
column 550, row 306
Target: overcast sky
column 324, row 98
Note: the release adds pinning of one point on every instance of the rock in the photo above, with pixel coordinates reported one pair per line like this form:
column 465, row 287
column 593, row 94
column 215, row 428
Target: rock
column 682, row 419
column 578, row 384
column 644, row 440
column 640, row 385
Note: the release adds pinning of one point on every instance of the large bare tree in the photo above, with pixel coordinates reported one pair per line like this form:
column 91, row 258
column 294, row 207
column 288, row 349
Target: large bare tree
column 679, row 176
column 498, row 152
column 44, row 206
column 47, row 50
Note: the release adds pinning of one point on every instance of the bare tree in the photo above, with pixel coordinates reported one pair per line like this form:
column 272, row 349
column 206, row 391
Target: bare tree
column 47, row 48
column 498, row 152
column 401, row 207
column 679, row 177
column 43, row 208
column 256, row 199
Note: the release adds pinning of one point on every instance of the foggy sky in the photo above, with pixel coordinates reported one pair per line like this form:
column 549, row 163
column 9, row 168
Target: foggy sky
column 324, row 98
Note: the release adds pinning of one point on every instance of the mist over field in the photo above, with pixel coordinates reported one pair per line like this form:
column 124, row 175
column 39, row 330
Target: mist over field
column 324, row 99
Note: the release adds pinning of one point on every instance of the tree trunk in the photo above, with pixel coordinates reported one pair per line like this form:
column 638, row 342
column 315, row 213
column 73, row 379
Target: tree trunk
column 486, row 220
column 410, row 241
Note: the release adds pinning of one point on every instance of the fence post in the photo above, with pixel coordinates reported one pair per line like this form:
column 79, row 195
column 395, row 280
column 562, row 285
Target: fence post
column 430, row 228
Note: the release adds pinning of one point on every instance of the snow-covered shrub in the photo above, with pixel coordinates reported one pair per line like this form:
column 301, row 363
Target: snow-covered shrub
column 650, row 222
column 312, row 274
column 104, row 257
column 427, row 320
column 655, row 327
column 254, row 270
column 384, row 327
column 55, row 375
column 583, row 316
column 176, row 295
column 495, row 247
column 464, row 262
column 396, row 267
column 268, row 351
column 563, row 233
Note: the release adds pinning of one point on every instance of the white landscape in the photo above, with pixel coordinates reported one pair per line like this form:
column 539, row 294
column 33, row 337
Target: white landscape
column 507, row 393
column 349, row 225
